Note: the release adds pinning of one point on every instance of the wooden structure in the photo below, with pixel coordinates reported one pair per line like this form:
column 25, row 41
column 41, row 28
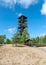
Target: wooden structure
column 28, row 42
column 22, row 24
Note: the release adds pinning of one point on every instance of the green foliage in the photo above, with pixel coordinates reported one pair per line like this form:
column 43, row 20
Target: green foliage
column 24, row 36
column 8, row 41
column 39, row 40
column 17, row 38
column 2, row 39
column 44, row 39
column 33, row 40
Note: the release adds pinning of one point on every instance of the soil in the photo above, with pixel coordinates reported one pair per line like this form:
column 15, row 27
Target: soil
column 25, row 55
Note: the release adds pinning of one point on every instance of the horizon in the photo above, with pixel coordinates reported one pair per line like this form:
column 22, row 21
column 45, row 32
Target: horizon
column 34, row 10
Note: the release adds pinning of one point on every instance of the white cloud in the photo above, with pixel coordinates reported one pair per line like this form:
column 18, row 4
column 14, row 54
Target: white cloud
column 42, row 34
column 43, row 10
column 11, row 30
column 12, row 3
column 27, row 3
column 8, row 3
column 19, row 14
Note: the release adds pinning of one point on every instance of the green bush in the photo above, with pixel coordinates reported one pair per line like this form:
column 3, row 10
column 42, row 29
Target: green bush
column 8, row 41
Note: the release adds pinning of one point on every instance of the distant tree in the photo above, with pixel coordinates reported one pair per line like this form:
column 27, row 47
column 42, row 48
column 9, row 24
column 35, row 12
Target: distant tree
column 33, row 40
column 16, row 38
column 44, row 39
column 37, row 39
column 8, row 41
column 2, row 39
column 41, row 40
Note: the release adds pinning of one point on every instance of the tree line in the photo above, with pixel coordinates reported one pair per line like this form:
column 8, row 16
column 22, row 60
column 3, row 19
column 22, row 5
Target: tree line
column 16, row 38
column 4, row 40
column 39, row 40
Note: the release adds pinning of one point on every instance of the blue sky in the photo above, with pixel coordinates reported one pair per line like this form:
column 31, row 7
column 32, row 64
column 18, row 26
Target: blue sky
column 35, row 10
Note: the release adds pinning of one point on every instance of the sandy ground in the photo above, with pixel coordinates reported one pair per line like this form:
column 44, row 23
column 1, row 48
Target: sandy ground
column 10, row 55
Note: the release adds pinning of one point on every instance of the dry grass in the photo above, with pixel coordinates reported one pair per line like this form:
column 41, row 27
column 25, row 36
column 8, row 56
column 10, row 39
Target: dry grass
column 10, row 55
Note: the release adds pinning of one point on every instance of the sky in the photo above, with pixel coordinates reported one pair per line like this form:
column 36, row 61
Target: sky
column 34, row 10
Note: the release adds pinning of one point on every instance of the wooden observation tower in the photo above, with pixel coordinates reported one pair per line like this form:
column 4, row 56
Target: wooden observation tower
column 22, row 24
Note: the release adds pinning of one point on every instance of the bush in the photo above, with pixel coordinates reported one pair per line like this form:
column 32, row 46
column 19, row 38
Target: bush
column 8, row 41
